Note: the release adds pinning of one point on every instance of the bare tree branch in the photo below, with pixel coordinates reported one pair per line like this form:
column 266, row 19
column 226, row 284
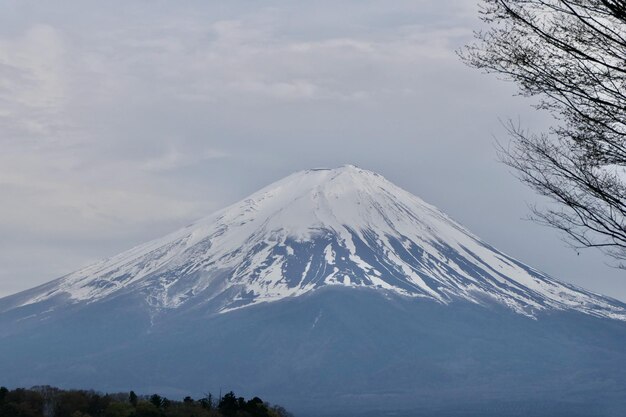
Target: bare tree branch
column 571, row 54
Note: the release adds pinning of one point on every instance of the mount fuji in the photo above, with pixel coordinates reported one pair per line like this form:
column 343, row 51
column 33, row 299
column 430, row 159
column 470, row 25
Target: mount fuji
column 329, row 291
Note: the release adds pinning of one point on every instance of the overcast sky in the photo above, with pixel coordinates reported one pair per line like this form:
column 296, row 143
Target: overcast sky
column 121, row 121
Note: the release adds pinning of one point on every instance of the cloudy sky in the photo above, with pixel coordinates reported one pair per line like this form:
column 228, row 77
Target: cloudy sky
column 121, row 121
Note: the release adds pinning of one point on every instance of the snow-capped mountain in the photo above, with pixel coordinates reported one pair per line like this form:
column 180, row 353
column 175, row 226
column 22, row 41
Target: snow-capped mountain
column 323, row 227
column 334, row 293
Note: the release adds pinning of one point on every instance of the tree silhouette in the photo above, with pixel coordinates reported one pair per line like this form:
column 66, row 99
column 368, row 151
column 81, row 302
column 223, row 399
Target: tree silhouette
column 571, row 55
column 156, row 400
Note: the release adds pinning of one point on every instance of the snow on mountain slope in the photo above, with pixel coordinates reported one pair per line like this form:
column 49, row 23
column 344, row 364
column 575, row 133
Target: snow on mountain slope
column 323, row 227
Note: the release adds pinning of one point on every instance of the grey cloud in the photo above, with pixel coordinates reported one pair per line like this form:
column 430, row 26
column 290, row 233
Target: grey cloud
column 121, row 122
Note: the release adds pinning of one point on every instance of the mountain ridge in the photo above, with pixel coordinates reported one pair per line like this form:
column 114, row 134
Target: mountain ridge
column 321, row 227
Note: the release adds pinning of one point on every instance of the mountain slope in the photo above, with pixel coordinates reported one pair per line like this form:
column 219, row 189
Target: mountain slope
column 316, row 228
column 338, row 352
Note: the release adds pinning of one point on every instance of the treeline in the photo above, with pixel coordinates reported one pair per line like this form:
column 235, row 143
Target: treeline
column 46, row 401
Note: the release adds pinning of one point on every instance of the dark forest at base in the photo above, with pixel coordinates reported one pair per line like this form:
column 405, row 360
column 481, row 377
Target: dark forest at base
column 46, row 401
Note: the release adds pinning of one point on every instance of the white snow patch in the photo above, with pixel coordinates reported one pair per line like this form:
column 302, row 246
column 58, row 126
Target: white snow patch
column 405, row 246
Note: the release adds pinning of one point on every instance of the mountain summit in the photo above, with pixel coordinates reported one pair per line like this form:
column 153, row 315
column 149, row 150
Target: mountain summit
column 316, row 228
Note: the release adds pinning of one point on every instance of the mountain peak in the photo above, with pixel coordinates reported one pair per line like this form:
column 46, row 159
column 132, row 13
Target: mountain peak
column 330, row 200
column 345, row 167
column 319, row 177
column 318, row 228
